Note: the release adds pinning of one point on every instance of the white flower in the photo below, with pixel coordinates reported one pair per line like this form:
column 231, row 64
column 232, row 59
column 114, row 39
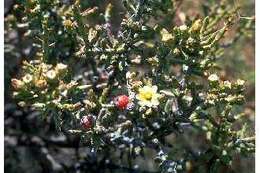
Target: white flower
column 148, row 96
column 183, row 27
column 61, row 66
column 51, row 74
column 45, row 67
column 27, row 78
column 166, row 36
column 240, row 82
column 213, row 78
column 227, row 84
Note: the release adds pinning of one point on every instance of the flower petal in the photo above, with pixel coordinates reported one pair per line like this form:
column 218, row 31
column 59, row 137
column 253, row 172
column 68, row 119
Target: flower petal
column 155, row 102
column 155, row 88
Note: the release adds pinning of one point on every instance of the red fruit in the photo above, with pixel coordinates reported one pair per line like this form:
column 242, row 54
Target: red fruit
column 122, row 101
column 86, row 122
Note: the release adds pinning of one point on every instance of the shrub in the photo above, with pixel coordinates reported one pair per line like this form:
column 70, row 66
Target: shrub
column 130, row 87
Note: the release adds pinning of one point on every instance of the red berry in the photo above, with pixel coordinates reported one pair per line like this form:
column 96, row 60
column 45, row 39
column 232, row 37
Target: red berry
column 86, row 122
column 122, row 101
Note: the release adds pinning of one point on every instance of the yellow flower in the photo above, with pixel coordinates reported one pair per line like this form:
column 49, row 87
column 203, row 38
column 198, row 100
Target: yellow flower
column 148, row 96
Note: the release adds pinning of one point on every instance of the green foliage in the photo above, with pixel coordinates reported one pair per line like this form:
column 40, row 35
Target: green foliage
column 169, row 73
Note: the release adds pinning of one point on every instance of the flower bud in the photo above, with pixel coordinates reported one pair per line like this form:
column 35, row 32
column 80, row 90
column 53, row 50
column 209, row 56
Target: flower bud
column 227, row 84
column 17, row 84
column 38, row 105
column 213, row 80
column 130, row 75
column 166, row 36
column 240, row 82
column 72, row 107
column 136, row 60
column 176, row 52
column 92, row 34
column 136, row 84
column 67, row 23
column 51, row 74
column 61, row 67
column 27, row 78
column 196, row 26
column 154, row 61
column 22, row 104
column 41, row 83
column 183, row 27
